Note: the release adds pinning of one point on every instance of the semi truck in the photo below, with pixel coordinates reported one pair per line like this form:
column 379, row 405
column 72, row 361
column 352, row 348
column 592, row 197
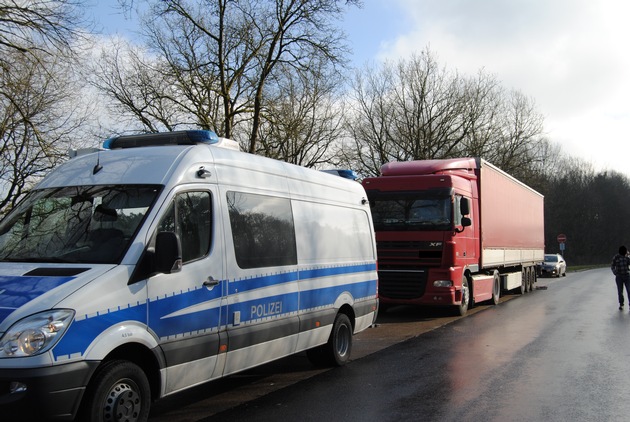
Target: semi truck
column 453, row 233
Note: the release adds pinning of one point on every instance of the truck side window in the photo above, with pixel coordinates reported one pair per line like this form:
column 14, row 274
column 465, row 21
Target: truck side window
column 262, row 230
column 190, row 216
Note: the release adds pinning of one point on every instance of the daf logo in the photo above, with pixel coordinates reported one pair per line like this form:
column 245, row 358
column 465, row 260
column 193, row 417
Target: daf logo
column 435, row 244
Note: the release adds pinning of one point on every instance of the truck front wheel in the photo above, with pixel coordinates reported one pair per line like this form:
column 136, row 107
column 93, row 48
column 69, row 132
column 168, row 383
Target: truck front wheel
column 462, row 308
column 119, row 392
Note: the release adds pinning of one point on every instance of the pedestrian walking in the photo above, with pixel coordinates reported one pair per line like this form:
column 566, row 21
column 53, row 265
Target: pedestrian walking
column 621, row 269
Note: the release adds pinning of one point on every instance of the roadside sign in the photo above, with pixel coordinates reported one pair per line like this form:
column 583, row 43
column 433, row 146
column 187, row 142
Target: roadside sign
column 562, row 238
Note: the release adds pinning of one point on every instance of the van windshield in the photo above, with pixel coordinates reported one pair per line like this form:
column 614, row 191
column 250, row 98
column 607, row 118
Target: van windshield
column 78, row 224
column 405, row 211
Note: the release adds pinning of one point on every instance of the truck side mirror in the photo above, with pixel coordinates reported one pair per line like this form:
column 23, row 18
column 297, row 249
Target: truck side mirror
column 466, row 222
column 464, row 207
column 168, row 253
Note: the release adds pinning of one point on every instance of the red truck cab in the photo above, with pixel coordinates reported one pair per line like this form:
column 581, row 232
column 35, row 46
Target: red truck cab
column 429, row 233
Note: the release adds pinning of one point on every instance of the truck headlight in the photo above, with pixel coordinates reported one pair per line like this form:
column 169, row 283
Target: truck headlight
column 442, row 283
column 35, row 334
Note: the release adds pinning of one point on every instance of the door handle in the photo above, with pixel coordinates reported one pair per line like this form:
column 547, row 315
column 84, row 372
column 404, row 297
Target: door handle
column 210, row 282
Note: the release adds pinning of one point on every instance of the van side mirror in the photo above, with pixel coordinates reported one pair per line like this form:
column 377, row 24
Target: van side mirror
column 168, row 253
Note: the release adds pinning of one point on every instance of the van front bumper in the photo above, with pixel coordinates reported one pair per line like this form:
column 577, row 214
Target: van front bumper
column 52, row 392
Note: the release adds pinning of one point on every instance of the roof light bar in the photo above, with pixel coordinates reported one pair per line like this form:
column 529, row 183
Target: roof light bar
column 183, row 137
column 346, row 174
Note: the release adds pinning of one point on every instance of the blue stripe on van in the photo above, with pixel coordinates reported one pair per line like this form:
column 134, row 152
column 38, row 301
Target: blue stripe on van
column 82, row 332
column 317, row 298
column 165, row 323
column 245, row 284
column 16, row 291
column 325, row 272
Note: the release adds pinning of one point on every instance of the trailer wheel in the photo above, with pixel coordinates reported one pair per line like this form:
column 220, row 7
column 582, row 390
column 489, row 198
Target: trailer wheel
column 462, row 308
column 496, row 288
column 120, row 391
column 337, row 351
column 524, row 281
column 531, row 279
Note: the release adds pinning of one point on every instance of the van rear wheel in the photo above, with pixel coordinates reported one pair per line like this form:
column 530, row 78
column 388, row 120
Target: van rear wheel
column 119, row 392
column 337, row 351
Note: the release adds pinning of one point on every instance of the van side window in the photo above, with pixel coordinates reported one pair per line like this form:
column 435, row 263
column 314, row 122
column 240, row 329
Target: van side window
column 262, row 230
column 190, row 216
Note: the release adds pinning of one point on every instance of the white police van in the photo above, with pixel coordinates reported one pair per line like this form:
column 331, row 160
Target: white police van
column 163, row 262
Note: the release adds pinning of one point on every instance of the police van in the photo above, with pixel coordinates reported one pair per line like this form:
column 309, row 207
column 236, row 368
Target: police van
column 164, row 261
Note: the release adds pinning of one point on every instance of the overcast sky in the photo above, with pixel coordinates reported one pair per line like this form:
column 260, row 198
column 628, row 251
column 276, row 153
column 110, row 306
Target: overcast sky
column 570, row 56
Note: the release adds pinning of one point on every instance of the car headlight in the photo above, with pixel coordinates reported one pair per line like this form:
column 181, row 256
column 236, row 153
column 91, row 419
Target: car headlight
column 442, row 283
column 35, row 334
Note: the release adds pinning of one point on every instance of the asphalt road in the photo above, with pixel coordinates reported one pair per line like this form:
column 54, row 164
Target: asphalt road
column 556, row 354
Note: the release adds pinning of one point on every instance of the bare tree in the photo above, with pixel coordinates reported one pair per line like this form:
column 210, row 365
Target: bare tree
column 419, row 110
column 42, row 25
column 482, row 108
column 519, row 134
column 370, row 130
column 301, row 119
column 413, row 110
column 40, row 114
column 224, row 57
column 140, row 97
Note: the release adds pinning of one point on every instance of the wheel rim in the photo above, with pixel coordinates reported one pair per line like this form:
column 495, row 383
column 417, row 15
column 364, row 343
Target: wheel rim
column 123, row 402
column 343, row 340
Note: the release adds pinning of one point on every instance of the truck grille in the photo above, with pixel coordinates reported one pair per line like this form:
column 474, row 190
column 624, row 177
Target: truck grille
column 403, row 267
column 401, row 285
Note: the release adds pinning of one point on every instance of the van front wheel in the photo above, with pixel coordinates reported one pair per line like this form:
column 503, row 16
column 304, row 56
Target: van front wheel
column 120, row 391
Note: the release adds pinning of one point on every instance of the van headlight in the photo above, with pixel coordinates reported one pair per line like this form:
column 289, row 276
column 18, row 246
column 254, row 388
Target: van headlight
column 442, row 283
column 35, row 334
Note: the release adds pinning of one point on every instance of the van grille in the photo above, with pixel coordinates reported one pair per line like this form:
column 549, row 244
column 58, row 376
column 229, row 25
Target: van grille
column 403, row 267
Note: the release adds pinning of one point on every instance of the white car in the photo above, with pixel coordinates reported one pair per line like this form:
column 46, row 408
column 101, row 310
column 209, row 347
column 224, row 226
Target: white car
column 554, row 266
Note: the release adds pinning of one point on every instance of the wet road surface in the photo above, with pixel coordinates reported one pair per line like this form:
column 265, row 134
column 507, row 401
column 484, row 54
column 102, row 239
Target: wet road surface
column 557, row 354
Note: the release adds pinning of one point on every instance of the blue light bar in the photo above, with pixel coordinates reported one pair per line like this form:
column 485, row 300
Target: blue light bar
column 346, row 174
column 183, row 137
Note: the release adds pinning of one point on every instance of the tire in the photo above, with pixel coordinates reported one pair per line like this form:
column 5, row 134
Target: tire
column 462, row 308
column 337, row 351
column 524, row 281
column 496, row 289
column 119, row 392
column 530, row 279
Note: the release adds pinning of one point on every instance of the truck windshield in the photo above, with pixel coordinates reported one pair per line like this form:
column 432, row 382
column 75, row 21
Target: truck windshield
column 409, row 211
column 79, row 224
